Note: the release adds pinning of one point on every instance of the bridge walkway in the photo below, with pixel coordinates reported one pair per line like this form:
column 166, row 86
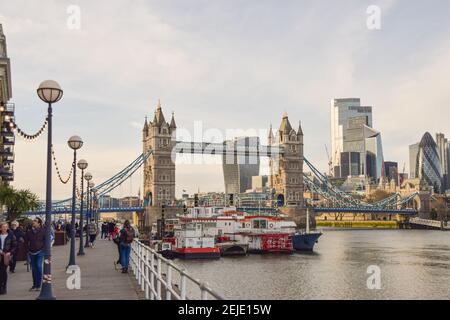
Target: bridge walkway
column 99, row 279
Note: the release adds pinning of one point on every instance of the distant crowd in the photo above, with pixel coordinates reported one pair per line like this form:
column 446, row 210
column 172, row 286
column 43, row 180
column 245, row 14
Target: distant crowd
column 30, row 240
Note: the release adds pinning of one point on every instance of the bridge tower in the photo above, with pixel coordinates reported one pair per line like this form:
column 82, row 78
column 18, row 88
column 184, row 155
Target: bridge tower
column 159, row 169
column 287, row 169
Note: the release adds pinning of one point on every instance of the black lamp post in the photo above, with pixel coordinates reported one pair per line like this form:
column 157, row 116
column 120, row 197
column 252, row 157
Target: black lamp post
column 82, row 165
column 50, row 92
column 74, row 143
column 88, row 177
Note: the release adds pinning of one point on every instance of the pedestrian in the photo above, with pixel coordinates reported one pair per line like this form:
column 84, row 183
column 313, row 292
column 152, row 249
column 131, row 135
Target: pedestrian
column 104, row 229
column 92, row 230
column 7, row 249
column 111, row 229
column 126, row 237
column 35, row 242
column 20, row 235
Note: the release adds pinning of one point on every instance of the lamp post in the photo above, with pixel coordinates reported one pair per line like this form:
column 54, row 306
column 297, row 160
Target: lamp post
column 50, row 92
column 93, row 197
column 74, row 143
column 82, row 165
column 88, row 177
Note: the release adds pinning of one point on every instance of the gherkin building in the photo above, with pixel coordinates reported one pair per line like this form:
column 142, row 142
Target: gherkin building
column 428, row 164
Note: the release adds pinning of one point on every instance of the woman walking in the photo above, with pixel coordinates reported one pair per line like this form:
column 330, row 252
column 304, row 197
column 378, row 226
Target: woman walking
column 35, row 242
column 19, row 234
column 92, row 230
column 7, row 249
column 126, row 237
column 111, row 229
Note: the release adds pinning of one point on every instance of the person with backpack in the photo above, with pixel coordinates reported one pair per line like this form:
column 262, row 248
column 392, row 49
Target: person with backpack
column 92, row 230
column 126, row 238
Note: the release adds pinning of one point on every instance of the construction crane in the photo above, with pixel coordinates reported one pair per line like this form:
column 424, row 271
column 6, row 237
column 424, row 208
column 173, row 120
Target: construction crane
column 330, row 162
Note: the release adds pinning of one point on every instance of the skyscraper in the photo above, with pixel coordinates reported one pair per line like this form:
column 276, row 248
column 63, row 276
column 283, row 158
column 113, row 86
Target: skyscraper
column 238, row 170
column 443, row 150
column 428, row 164
column 356, row 146
column 413, row 152
column 391, row 171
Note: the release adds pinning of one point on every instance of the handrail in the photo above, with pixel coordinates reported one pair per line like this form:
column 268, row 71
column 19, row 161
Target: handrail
column 152, row 280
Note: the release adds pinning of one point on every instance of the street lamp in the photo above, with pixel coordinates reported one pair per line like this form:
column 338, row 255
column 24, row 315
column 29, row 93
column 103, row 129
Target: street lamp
column 50, row 92
column 93, row 198
column 87, row 177
column 74, row 143
column 82, row 165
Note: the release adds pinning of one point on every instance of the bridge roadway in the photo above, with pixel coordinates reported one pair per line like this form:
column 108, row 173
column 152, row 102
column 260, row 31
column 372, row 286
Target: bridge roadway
column 99, row 279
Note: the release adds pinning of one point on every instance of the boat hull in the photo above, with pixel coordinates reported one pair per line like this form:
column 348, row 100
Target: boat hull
column 305, row 242
column 197, row 253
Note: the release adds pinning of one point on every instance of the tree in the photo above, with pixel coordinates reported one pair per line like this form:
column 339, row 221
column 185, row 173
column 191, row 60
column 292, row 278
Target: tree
column 17, row 201
column 377, row 195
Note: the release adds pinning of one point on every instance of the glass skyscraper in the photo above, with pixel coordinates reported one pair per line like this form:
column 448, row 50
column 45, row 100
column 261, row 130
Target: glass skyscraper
column 356, row 147
column 238, row 170
column 428, row 164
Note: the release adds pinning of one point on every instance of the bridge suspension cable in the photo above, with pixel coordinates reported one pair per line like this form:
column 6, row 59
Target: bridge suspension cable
column 339, row 198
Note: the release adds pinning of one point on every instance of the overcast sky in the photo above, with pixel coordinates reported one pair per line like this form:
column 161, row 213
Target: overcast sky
column 230, row 64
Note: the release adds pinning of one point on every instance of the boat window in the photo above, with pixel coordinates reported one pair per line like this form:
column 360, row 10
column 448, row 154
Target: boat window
column 259, row 224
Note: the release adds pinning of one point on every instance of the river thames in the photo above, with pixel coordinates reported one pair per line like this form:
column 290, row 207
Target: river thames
column 414, row 264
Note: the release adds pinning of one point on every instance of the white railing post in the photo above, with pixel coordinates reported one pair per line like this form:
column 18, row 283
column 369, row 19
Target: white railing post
column 183, row 285
column 159, row 279
column 138, row 275
column 142, row 265
column 147, row 282
column 169, row 282
column 152, row 276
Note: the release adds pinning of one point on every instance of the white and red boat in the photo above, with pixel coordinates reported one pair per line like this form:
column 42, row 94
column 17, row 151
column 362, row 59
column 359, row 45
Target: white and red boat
column 254, row 233
column 195, row 239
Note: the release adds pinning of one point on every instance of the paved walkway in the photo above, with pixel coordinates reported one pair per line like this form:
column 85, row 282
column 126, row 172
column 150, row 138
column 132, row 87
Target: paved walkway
column 99, row 279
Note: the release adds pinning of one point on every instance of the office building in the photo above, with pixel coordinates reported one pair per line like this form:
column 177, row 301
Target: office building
column 356, row 147
column 259, row 182
column 7, row 139
column 413, row 152
column 238, row 170
column 443, row 150
column 391, row 171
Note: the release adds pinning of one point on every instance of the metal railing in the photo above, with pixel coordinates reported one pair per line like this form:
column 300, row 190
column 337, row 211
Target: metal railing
column 161, row 279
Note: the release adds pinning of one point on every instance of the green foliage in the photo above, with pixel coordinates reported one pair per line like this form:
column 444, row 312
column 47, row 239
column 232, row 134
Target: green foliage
column 377, row 195
column 17, row 201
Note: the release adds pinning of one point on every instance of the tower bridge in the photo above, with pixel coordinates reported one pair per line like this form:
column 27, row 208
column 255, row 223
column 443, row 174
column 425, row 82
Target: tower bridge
column 287, row 179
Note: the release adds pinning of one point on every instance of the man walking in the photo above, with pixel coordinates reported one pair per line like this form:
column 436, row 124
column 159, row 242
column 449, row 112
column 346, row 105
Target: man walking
column 104, row 230
column 35, row 242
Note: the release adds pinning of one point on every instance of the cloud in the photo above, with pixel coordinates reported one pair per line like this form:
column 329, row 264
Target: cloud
column 228, row 64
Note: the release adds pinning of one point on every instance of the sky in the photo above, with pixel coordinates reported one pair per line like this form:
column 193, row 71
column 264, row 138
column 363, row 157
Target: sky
column 229, row 64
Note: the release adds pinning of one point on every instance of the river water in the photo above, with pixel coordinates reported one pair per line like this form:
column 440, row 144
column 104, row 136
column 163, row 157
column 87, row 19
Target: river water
column 414, row 264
